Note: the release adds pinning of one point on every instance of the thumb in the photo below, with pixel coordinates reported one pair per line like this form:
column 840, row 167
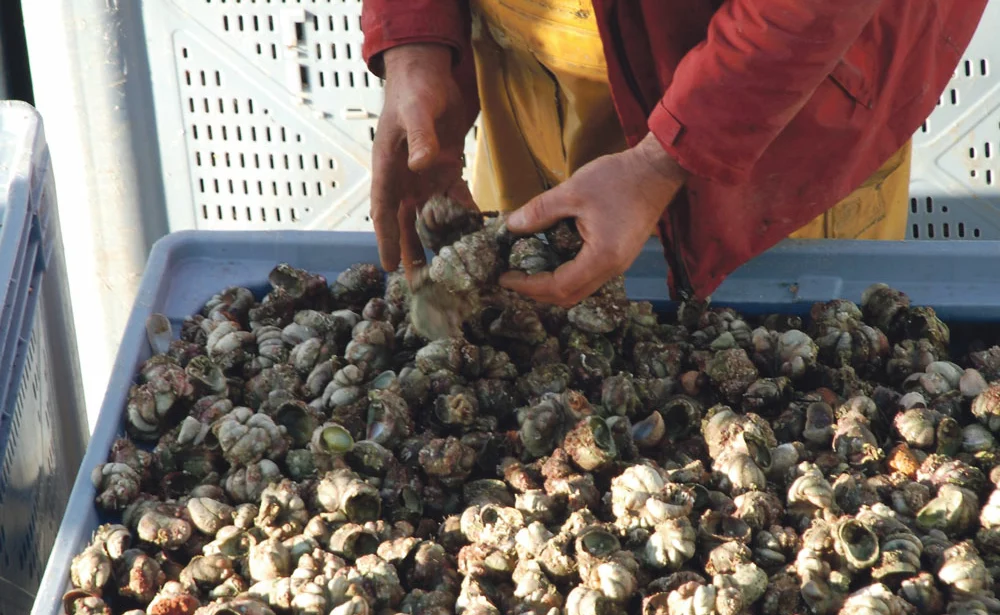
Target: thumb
column 540, row 213
column 421, row 138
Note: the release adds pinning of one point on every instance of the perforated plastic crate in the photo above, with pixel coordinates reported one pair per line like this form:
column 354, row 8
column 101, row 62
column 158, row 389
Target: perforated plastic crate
column 42, row 420
column 187, row 268
column 266, row 112
column 955, row 178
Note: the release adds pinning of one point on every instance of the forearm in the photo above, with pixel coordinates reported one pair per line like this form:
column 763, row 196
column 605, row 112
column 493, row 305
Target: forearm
column 761, row 62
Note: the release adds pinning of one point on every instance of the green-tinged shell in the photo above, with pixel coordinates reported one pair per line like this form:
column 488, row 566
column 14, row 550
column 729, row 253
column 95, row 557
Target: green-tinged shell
column 954, row 511
column 332, row 438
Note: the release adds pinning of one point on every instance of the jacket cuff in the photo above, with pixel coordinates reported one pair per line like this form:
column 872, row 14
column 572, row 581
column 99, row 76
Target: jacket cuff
column 383, row 32
column 688, row 148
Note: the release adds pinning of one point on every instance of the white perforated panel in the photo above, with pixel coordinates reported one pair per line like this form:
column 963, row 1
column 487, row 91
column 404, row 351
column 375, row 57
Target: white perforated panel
column 955, row 178
column 266, row 114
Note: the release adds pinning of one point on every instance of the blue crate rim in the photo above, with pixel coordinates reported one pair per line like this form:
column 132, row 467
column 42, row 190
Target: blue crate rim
column 174, row 246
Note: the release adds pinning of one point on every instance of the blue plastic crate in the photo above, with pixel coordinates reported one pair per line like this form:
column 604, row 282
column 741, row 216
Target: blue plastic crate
column 186, row 268
column 42, row 419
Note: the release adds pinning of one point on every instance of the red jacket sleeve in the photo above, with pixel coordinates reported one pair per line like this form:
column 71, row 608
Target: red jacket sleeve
column 760, row 63
column 388, row 23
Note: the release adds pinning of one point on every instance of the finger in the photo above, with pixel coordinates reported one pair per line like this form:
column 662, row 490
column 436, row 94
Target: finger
column 421, row 136
column 442, row 177
column 385, row 199
column 413, row 250
column 460, row 193
column 570, row 283
column 541, row 212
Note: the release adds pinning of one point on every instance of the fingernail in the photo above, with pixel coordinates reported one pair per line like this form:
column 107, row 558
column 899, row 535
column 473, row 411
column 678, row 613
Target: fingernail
column 416, row 155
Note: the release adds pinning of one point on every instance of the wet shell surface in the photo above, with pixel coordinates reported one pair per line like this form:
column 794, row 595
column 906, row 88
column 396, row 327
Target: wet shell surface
column 309, row 452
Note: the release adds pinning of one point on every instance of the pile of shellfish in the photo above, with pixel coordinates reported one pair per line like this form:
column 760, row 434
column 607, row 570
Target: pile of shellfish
column 443, row 446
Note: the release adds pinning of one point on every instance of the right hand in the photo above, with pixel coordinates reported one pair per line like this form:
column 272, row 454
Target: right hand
column 418, row 148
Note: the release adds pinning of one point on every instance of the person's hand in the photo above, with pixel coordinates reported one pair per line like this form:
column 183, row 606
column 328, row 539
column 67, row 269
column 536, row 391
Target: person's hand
column 616, row 201
column 418, row 148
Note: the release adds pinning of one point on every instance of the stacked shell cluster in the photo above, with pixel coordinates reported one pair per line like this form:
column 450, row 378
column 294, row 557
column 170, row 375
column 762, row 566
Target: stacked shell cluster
column 312, row 453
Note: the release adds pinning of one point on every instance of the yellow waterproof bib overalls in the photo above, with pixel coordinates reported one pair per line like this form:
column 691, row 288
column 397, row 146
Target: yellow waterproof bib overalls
column 547, row 111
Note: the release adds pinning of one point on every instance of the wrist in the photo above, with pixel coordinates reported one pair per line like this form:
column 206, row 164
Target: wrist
column 657, row 163
column 406, row 57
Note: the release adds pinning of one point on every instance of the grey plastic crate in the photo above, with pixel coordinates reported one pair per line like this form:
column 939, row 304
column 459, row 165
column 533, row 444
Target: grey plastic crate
column 265, row 113
column 42, row 419
column 955, row 178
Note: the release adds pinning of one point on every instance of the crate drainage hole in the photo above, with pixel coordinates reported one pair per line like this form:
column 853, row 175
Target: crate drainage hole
column 945, row 231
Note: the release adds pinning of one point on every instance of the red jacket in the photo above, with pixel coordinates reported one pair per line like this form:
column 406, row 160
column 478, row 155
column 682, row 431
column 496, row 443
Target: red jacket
column 778, row 108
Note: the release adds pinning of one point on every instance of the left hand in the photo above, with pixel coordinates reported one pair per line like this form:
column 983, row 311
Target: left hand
column 616, row 201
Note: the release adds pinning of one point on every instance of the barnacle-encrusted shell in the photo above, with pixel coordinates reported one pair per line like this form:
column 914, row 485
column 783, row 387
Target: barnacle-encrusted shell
column 247, row 437
column 343, row 492
column 875, row 599
column 986, row 407
column 672, row 543
column 963, row 569
column 641, row 498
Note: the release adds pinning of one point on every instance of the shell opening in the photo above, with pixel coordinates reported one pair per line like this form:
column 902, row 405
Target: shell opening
column 599, row 543
column 287, row 280
column 364, row 543
column 238, row 545
column 758, row 451
column 383, row 380
column 860, row 543
column 677, row 416
column 702, row 499
column 336, row 439
column 727, row 528
column 179, row 483
column 489, row 515
column 411, row 500
column 297, row 423
column 602, row 435
column 363, row 507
